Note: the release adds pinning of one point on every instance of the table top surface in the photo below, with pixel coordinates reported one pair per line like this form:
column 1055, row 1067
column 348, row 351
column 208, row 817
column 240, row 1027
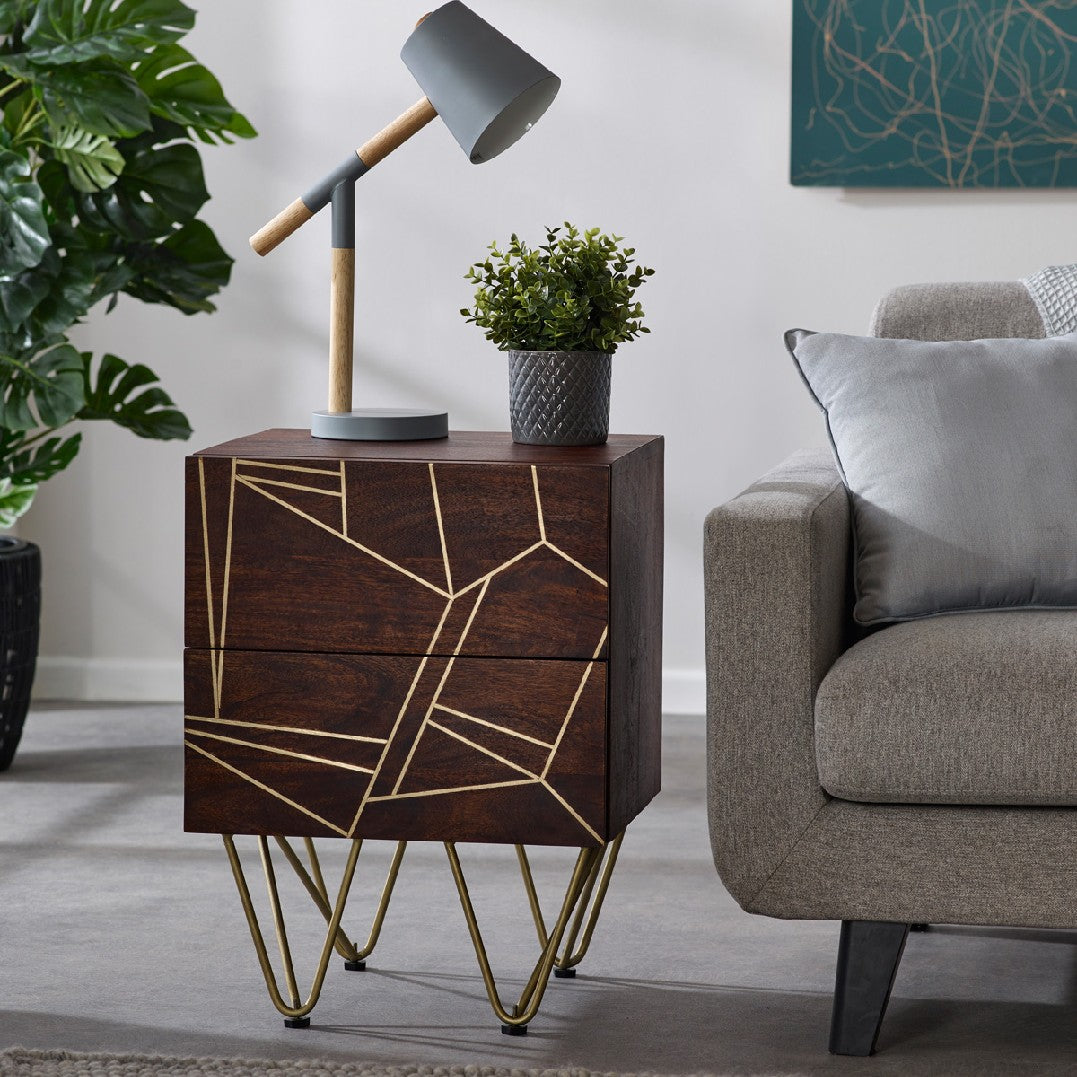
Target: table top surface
column 464, row 446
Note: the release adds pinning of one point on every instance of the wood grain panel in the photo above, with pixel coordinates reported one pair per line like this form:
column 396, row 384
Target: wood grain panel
column 363, row 745
column 480, row 446
column 452, row 640
column 635, row 691
column 391, row 558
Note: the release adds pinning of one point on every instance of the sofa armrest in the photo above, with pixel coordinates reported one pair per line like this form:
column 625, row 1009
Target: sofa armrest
column 776, row 565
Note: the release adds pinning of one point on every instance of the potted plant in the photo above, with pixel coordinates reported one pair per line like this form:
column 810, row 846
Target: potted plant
column 559, row 311
column 100, row 190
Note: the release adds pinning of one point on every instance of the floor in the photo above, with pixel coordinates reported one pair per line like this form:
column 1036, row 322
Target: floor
column 119, row 932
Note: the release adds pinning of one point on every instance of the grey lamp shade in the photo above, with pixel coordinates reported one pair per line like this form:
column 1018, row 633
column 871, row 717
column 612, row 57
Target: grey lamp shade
column 487, row 90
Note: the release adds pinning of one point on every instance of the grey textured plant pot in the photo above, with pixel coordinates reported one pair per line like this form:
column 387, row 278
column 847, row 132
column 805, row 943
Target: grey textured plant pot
column 559, row 398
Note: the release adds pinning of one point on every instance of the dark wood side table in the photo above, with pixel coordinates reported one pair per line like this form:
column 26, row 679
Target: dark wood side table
column 455, row 640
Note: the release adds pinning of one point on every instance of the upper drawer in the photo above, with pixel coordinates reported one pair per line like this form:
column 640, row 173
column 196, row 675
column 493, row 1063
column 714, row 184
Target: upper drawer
column 397, row 557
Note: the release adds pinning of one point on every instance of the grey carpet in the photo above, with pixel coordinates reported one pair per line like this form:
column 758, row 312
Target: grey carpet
column 18, row 1062
column 120, row 933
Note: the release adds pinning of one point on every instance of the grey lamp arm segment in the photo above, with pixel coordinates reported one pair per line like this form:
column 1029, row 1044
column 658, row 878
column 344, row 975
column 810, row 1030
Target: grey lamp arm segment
column 776, row 566
column 355, row 165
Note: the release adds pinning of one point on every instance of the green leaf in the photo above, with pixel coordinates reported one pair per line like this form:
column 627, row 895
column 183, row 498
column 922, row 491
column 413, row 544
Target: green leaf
column 14, row 500
column 183, row 271
column 24, row 232
column 52, row 380
column 181, row 90
column 129, row 396
column 35, row 463
column 12, row 12
column 158, row 188
column 70, row 31
column 92, row 161
column 97, row 95
column 21, row 294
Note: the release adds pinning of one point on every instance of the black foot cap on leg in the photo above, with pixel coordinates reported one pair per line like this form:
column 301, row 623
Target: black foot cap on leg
column 514, row 1030
column 868, row 956
column 355, row 966
column 297, row 1022
column 565, row 974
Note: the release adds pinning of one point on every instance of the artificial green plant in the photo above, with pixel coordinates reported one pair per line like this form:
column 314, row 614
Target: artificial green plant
column 575, row 293
column 100, row 190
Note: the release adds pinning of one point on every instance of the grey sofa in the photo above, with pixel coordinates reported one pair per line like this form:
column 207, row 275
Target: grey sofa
column 923, row 773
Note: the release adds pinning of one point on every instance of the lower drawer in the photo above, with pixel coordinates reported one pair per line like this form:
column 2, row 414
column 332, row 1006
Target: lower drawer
column 400, row 747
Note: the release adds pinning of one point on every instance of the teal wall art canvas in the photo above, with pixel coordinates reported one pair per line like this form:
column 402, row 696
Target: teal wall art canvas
column 934, row 93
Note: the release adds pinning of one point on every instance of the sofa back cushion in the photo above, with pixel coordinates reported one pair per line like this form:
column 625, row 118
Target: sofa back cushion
column 960, row 458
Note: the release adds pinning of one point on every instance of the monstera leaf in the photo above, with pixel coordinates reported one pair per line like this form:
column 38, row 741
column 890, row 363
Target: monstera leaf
column 100, row 190
column 183, row 271
column 130, row 397
column 15, row 499
column 69, row 31
column 92, row 161
column 12, row 12
column 98, row 95
column 51, row 381
column 159, row 187
column 181, row 90
column 24, row 232
column 29, row 464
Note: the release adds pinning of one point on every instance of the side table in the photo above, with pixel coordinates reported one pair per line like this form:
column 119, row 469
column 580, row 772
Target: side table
column 454, row 641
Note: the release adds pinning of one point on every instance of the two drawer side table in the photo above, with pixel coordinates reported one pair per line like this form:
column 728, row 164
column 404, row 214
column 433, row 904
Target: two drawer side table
column 454, row 641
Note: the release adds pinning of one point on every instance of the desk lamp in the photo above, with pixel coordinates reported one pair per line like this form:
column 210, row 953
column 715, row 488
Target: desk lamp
column 489, row 92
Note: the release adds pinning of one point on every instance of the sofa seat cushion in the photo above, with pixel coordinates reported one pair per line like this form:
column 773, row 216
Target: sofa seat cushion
column 968, row 708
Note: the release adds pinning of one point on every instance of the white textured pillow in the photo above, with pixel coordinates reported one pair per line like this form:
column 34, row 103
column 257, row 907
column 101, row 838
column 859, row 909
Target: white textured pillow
column 960, row 458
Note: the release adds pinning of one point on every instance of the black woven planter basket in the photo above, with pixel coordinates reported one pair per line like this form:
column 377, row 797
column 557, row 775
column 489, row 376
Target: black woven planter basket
column 20, row 609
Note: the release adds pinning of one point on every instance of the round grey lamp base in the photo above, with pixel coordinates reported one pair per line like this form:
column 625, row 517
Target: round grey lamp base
column 380, row 424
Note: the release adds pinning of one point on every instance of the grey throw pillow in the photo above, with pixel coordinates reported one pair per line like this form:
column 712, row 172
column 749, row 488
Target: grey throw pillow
column 960, row 458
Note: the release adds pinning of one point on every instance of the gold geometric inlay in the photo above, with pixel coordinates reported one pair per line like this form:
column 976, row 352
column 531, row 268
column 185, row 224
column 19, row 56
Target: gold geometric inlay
column 276, row 490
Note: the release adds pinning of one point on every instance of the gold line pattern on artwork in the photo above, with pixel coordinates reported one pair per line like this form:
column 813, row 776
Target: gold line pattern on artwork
column 493, row 725
column 455, row 789
column 538, row 503
column 284, row 729
column 569, row 808
column 344, row 538
column 291, row 486
column 285, row 467
column 343, row 501
column 277, row 751
column 265, row 788
column 441, row 530
column 572, row 705
column 209, row 583
column 485, row 751
column 225, row 583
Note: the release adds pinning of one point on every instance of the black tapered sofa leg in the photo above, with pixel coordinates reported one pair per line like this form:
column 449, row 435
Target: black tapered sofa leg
column 868, row 956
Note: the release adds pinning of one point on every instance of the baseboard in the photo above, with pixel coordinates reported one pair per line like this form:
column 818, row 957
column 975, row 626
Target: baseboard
column 684, row 691
column 116, row 680
column 134, row 680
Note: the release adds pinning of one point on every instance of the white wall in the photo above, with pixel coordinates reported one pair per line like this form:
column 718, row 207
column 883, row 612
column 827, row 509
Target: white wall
column 671, row 129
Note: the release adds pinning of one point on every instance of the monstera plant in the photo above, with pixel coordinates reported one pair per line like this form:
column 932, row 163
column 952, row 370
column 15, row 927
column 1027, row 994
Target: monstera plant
column 100, row 189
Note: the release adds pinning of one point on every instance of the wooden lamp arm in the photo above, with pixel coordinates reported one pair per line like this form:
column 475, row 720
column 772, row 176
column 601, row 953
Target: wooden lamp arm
column 365, row 158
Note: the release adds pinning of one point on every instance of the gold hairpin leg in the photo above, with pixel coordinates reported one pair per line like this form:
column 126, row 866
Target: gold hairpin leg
column 314, row 884
column 295, row 1011
column 516, row 1022
column 564, row 966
